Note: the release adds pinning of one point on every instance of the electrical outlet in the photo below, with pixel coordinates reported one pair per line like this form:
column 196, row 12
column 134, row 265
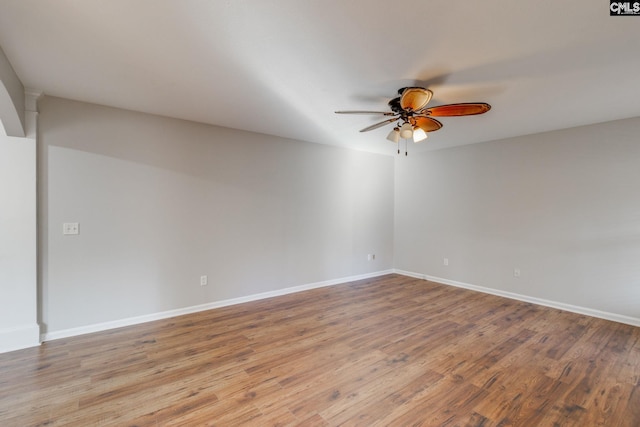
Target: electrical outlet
column 445, row 261
column 203, row 280
column 371, row 257
column 516, row 272
column 71, row 228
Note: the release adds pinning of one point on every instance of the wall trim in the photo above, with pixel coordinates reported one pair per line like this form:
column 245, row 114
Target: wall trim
column 633, row 321
column 20, row 337
column 24, row 337
column 98, row 327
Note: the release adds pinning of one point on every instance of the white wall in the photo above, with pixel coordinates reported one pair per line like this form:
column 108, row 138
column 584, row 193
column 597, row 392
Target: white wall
column 563, row 207
column 18, row 316
column 161, row 202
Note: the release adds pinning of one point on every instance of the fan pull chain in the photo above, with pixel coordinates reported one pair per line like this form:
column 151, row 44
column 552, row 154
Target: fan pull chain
column 406, row 151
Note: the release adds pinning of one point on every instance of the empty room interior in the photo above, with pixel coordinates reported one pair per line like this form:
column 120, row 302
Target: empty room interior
column 319, row 213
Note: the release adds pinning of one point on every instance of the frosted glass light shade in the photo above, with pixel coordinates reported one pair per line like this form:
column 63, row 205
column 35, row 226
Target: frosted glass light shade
column 419, row 135
column 394, row 135
column 406, row 131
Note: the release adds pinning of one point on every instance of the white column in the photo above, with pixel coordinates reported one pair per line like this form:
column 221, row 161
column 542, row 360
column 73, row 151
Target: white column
column 18, row 235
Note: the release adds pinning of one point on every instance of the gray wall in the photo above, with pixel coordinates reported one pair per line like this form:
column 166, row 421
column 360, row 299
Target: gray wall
column 161, row 202
column 563, row 207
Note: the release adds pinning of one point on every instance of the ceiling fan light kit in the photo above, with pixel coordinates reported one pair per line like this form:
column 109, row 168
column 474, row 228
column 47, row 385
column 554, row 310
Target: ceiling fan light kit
column 406, row 131
column 419, row 134
column 394, row 135
column 413, row 119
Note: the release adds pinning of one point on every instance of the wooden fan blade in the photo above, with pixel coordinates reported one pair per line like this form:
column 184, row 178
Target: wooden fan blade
column 427, row 124
column 464, row 109
column 384, row 113
column 415, row 98
column 379, row 125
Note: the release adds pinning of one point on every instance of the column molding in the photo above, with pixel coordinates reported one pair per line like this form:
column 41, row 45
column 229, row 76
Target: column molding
column 31, row 98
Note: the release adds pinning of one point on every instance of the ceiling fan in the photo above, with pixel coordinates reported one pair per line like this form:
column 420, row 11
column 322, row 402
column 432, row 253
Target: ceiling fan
column 413, row 117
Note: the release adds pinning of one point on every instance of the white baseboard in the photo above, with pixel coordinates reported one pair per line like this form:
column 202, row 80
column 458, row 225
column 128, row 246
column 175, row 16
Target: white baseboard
column 539, row 301
column 18, row 338
column 202, row 307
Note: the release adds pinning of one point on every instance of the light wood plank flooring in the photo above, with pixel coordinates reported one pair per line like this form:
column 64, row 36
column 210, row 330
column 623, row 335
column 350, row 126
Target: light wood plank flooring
column 389, row 351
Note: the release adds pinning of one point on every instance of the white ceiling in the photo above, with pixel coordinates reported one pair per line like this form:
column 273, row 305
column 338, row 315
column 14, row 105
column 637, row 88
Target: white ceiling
column 282, row 67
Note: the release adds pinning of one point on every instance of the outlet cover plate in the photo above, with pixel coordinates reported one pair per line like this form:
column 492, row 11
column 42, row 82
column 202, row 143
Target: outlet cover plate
column 70, row 228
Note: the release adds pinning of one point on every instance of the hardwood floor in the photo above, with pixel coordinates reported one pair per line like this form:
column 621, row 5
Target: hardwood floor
column 390, row 351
